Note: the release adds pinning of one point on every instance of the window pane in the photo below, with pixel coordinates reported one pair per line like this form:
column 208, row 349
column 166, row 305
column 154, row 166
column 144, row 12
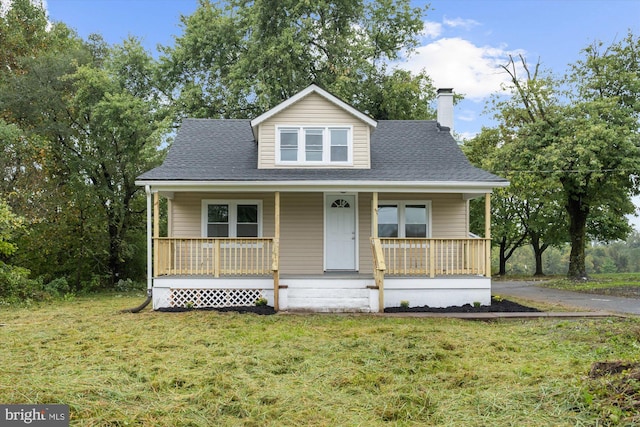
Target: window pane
column 387, row 221
column 313, row 145
column 247, row 230
column 339, row 145
column 387, row 214
column 218, row 213
column 218, row 230
column 415, row 230
column 415, row 218
column 289, row 145
column 387, row 230
column 339, row 137
column 289, row 155
column 415, row 214
column 247, row 213
column 289, row 138
column 339, row 154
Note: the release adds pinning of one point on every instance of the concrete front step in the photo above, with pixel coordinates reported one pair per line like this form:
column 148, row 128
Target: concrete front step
column 329, row 300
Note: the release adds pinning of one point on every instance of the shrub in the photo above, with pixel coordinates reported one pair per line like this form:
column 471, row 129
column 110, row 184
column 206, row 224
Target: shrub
column 404, row 304
column 57, row 287
column 17, row 287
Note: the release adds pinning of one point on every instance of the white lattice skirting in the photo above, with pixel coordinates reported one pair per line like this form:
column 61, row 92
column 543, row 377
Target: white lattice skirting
column 200, row 298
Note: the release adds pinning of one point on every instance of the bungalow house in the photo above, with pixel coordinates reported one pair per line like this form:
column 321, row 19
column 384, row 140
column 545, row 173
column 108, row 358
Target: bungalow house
column 316, row 206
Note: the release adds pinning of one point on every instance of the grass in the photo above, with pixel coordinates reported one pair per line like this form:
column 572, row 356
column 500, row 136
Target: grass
column 619, row 284
column 207, row 368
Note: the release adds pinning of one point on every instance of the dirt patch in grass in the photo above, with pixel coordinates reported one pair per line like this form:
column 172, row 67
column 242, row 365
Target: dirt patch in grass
column 615, row 391
column 501, row 306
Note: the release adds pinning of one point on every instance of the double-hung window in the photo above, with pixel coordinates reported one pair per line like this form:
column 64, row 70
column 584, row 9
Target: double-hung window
column 314, row 145
column 405, row 219
column 231, row 218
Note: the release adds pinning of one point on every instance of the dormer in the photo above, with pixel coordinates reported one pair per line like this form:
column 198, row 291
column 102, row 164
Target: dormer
column 313, row 129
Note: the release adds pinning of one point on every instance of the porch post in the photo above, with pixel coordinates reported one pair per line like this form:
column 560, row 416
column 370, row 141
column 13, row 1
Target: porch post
column 156, row 231
column 276, row 252
column 374, row 216
column 147, row 190
column 487, row 234
column 374, row 234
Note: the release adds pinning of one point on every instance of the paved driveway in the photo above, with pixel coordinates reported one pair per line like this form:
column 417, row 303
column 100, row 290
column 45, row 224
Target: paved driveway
column 529, row 290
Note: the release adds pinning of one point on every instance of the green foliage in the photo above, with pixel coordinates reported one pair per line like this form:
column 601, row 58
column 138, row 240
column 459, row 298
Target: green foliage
column 237, row 59
column 573, row 161
column 614, row 257
column 10, row 223
column 84, row 121
column 404, row 304
column 260, row 302
column 15, row 285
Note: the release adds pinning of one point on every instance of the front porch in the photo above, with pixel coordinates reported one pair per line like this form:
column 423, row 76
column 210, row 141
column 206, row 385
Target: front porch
column 216, row 272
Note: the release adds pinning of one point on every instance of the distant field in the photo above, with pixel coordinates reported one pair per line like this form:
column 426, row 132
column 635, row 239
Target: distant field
column 210, row 369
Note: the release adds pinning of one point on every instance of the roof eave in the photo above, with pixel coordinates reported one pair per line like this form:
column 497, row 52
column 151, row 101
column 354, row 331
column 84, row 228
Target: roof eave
column 469, row 187
column 303, row 93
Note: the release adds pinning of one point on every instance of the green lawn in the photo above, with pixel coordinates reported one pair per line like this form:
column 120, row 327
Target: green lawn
column 619, row 284
column 206, row 368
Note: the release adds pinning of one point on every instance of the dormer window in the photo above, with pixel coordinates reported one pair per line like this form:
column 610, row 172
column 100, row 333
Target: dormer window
column 314, row 145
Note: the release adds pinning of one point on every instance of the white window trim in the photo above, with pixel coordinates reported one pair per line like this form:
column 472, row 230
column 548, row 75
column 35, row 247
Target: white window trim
column 401, row 205
column 233, row 212
column 326, row 145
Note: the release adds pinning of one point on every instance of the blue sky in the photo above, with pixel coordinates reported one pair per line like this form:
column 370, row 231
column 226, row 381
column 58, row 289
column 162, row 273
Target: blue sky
column 463, row 44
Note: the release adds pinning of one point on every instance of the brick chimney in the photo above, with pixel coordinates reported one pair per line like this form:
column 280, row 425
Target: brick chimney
column 444, row 99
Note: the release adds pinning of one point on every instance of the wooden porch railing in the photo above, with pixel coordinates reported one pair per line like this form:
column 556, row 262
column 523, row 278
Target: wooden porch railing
column 434, row 257
column 215, row 257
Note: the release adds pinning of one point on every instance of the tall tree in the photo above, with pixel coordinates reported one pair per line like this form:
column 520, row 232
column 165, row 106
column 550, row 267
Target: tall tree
column 508, row 231
column 240, row 58
column 587, row 147
column 100, row 123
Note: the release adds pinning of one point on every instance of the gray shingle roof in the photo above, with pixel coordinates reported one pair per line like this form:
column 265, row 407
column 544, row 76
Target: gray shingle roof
column 401, row 150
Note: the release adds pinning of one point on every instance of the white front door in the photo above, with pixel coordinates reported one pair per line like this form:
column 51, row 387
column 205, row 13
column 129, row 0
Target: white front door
column 340, row 232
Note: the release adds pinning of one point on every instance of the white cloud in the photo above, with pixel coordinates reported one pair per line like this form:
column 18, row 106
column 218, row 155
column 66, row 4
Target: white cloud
column 466, row 115
column 464, row 136
column 455, row 62
column 432, row 29
column 467, row 24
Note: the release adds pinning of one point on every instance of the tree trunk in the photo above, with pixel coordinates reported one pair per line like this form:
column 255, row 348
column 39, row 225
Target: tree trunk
column 578, row 213
column 538, row 250
column 506, row 251
column 503, row 259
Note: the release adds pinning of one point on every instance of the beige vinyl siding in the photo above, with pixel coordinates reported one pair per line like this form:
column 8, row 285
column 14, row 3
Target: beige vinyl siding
column 186, row 211
column 301, row 233
column 364, row 232
column 448, row 212
column 301, row 225
column 313, row 110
